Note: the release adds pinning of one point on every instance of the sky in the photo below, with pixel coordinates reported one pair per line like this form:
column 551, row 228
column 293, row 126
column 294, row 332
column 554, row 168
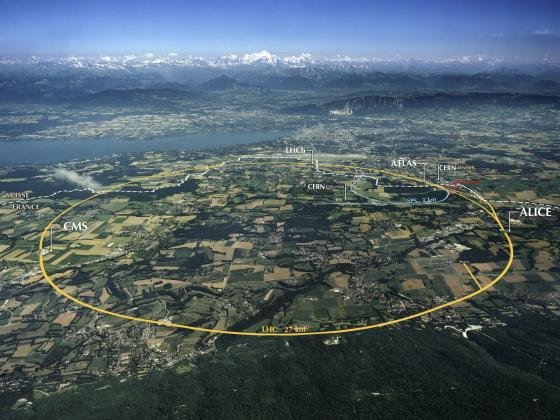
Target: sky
column 429, row 29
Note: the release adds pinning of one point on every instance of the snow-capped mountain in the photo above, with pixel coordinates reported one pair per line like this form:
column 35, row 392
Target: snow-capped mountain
column 260, row 59
column 173, row 59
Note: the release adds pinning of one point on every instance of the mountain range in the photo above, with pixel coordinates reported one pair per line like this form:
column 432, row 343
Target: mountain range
column 170, row 78
column 266, row 59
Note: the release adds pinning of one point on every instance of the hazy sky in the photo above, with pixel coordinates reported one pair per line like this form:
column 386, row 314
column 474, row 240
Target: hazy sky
column 528, row 30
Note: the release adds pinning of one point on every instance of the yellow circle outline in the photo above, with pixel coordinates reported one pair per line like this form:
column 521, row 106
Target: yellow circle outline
column 490, row 210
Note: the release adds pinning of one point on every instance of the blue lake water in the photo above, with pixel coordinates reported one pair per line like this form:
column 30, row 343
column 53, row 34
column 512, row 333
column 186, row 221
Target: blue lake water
column 54, row 151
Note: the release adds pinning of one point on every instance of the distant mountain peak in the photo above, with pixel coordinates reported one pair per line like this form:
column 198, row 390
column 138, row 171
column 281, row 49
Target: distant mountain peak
column 263, row 57
column 222, row 82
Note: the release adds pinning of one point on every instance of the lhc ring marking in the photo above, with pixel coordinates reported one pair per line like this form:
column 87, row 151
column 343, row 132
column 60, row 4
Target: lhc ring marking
column 490, row 210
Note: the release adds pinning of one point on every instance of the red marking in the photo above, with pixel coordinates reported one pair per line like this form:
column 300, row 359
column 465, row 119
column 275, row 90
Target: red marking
column 467, row 181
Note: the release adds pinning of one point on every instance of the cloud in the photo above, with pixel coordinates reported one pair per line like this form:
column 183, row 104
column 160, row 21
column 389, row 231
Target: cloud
column 545, row 31
column 74, row 177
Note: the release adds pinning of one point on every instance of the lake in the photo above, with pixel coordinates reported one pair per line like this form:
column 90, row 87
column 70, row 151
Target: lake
column 54, row 151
